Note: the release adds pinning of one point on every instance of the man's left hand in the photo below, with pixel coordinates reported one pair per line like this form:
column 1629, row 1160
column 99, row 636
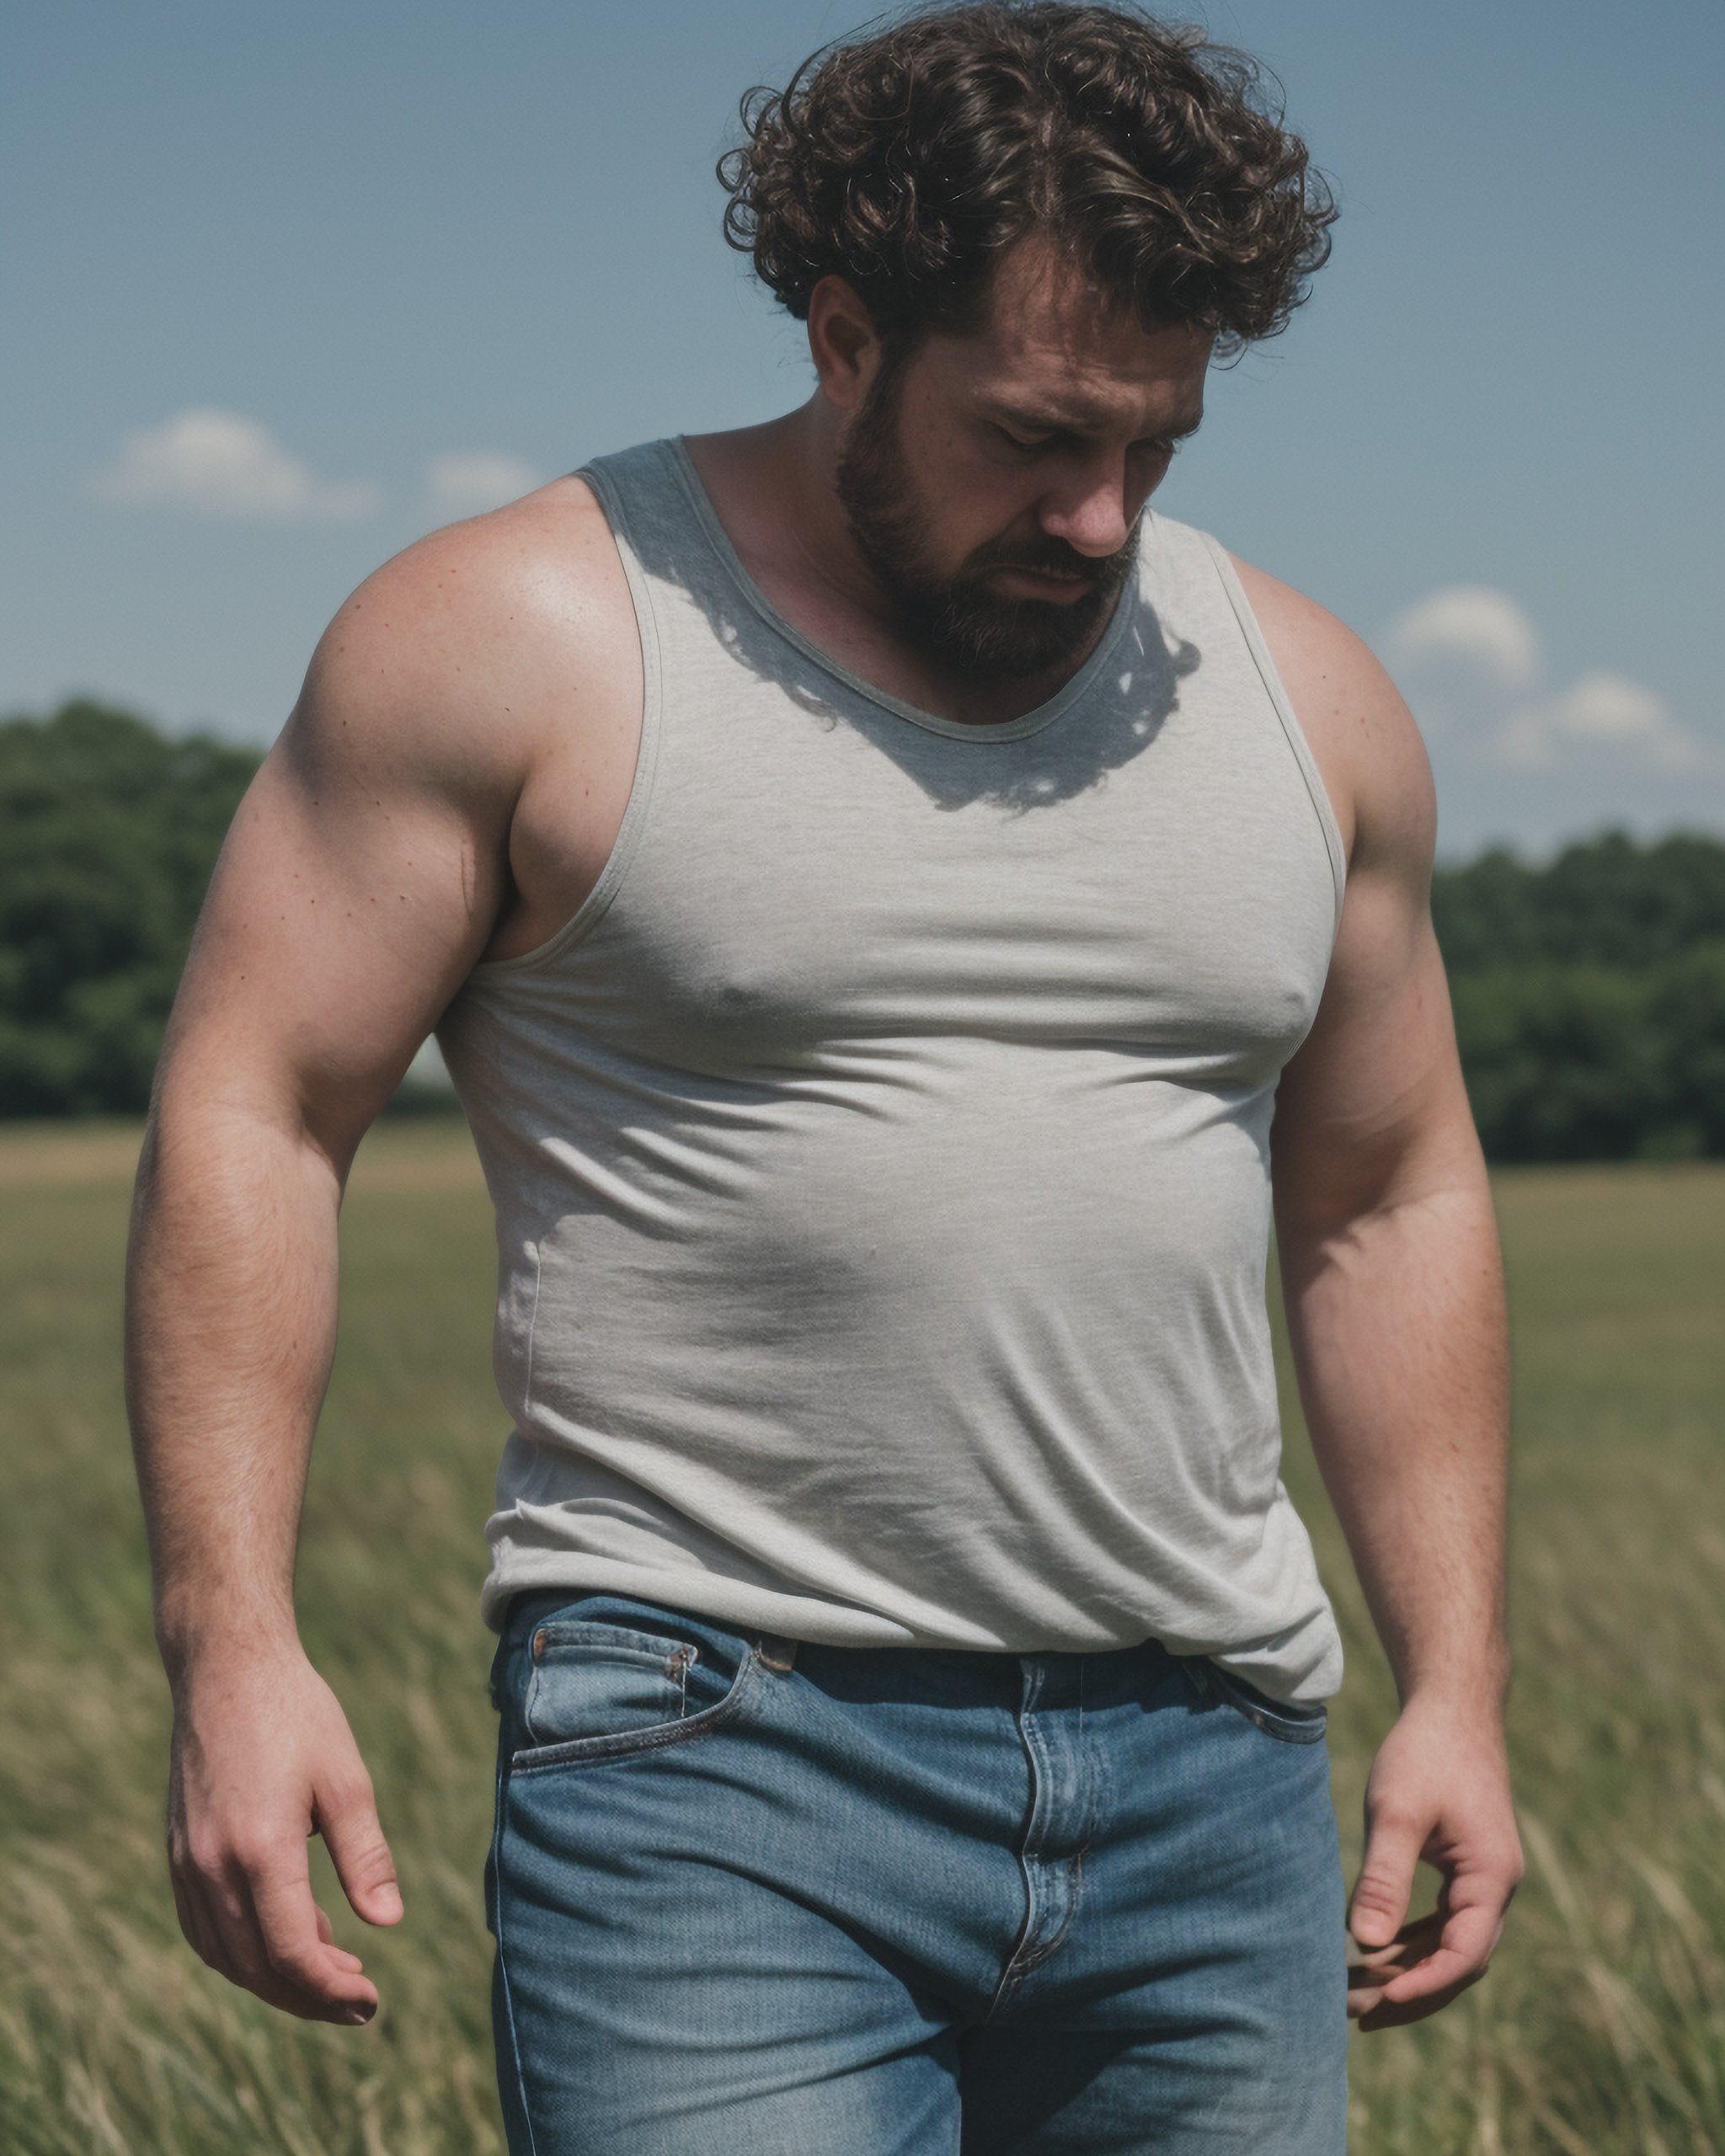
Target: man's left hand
column 1439, row 1792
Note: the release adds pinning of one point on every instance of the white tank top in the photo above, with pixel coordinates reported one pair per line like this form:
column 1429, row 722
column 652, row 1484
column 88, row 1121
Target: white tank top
column 880, row 1154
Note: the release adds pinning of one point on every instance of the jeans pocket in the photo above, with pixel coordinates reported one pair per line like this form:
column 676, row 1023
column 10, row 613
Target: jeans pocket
column 1289, row 1725
column 597, row 1678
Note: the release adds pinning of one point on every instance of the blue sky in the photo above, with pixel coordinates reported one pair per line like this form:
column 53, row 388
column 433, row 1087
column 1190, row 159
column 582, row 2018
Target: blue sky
column 286, row 285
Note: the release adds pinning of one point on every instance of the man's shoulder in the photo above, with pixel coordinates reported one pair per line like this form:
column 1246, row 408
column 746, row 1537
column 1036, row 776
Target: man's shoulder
column 1309, row 632
column 1291, row 622
column 473, row 639
column 526, row 564
column 1363, row 736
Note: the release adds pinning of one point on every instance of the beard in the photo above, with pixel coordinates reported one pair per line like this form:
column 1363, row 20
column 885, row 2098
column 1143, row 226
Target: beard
column 960, row 619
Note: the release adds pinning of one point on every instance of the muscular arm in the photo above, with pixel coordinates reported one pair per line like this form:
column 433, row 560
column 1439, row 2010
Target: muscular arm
column 361, row 879
column 357, row 884
column 1393, row 1286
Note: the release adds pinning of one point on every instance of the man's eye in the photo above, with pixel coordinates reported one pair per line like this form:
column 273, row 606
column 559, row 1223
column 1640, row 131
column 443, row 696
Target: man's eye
column 1018, row 441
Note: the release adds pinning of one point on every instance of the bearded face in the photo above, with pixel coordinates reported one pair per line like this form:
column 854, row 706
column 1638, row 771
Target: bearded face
column 957, row 614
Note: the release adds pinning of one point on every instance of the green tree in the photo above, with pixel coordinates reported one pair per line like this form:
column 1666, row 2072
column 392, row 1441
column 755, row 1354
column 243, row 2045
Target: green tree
column 108, row 834
column 1602, row 901
column 1590, row 997
column 1687, row 1010
column 1560, row 1062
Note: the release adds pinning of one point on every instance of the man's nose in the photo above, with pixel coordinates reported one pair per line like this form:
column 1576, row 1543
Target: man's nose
column 1095, row 514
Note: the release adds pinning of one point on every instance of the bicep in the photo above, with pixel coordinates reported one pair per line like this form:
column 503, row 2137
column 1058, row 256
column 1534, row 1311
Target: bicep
column 1371, row 1110
column 355, row 888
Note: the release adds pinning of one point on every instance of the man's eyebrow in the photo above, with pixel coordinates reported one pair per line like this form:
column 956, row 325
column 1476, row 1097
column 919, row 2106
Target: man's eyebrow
column 1045, row 422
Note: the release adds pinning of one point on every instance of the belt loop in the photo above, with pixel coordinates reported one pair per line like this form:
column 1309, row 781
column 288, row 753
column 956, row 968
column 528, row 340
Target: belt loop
column 777, row 1653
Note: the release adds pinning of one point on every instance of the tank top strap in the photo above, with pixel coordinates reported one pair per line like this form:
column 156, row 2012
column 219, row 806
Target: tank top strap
column 666, row 530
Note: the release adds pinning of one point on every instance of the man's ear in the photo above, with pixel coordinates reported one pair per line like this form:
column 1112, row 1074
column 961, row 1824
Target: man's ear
column 844, row 344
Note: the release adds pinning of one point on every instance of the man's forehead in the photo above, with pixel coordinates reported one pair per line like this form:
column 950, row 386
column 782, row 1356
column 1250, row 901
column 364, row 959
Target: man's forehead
column 1089, row 387
column 1052, row 339
column 1072, row 405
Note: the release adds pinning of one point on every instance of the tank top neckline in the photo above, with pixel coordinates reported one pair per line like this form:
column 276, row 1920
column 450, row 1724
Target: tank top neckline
column 952, row 729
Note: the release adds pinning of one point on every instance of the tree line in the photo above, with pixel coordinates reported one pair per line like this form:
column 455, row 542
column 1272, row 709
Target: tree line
column 1590, row 993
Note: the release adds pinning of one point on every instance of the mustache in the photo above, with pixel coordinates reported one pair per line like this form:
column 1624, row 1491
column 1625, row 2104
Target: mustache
column 1054, row 559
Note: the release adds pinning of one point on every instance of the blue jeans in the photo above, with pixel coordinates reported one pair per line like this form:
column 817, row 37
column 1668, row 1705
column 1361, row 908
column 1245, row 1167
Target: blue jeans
column 756, row 1897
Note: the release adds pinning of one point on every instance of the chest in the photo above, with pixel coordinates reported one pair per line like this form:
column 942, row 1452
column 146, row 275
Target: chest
column 1147, row 872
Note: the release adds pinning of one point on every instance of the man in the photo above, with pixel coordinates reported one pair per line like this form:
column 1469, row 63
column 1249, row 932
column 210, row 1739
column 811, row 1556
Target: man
column 875, row 880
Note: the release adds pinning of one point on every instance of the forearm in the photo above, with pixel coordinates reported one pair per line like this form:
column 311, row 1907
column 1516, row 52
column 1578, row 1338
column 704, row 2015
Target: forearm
column 1400, row 1342
column 230, row 1332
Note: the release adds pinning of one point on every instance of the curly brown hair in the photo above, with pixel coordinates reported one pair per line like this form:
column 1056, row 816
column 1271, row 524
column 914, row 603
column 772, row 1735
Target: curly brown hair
column 908, row 160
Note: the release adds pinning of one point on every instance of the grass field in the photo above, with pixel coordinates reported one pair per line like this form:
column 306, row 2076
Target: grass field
column 1599, row 2031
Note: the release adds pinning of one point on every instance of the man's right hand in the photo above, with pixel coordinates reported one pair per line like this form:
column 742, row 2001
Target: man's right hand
column 263, row 1757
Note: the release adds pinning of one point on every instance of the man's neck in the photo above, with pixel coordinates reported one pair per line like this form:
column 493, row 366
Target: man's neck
column 775, row 489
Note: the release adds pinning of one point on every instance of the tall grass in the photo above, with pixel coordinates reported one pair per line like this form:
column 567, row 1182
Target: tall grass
column 1600, row 2028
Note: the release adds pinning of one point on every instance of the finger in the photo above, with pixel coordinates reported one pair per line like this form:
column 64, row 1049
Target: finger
column 1469, row 1939
column 326, row 1932
column 293, row 1946
column 1370, row 1972
column 346, row 1817
column 1387, row 2014
column 1371, row 1975
column 1363, row 2001
column 1379, row 1903
column 1389, row 2001
column 1416, row 1939
column 315, row 1975
column 220, row 1916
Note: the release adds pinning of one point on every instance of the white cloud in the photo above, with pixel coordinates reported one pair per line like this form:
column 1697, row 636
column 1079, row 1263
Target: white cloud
column 1598, row 713
column 1467, row 658
column 464, row 485
column 1470, row 626
column 221, row 464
